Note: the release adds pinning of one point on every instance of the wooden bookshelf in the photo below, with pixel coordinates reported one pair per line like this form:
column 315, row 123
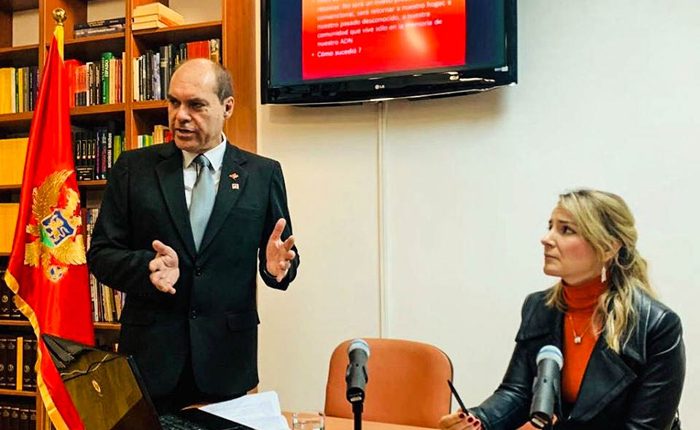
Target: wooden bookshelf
column 4, row 392
column 14, row 323
column 14, row 56
column 235, row 29
column 107, row 326
column 25, row 323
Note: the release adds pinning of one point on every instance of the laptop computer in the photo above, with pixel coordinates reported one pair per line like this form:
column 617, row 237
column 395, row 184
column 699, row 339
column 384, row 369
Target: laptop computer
column 109, row 393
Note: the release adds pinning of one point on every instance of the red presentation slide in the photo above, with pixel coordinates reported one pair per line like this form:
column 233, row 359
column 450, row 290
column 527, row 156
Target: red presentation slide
column 355, row 37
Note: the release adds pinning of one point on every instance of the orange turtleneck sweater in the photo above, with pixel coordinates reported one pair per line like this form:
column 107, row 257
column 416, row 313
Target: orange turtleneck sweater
column 580, row 334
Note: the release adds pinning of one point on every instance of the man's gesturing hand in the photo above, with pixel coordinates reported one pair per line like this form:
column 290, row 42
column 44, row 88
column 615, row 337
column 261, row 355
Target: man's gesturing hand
column 279, row 254
column 164, row 268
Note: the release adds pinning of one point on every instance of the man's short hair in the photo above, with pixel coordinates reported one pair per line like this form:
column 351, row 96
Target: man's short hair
column 224, row 81
column 222, row 78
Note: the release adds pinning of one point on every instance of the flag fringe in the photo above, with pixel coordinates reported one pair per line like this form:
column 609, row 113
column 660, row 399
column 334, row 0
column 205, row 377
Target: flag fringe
column 55, row 416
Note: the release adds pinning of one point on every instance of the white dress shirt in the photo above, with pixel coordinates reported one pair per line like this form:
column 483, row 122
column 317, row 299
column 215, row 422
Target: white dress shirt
column 189, row 169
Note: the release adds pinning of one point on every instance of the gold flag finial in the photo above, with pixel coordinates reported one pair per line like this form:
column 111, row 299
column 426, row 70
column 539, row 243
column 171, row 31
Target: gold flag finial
column 59, row 15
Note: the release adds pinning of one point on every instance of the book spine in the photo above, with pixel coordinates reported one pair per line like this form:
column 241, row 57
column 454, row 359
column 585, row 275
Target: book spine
column 155, row 76
column 105, row 58
column 100, row 30
column 3, row 362
column 11, row 363
column 163, row 70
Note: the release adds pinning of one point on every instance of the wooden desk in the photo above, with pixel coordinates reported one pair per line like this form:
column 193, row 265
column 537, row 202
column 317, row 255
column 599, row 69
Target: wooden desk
column 333, row 423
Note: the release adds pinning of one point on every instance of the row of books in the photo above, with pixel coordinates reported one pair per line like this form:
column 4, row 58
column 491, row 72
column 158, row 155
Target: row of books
column 96, row 151
column 17, row 416
column 161, row 134
column 102, row 82
column 95, row 82
column 8, row 219
column 17, row 359
column 152, row 70
column 107, row 303
column 18, row 89
column 8, row 309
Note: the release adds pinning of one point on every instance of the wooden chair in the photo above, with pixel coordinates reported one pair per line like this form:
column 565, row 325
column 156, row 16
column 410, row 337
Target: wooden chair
column 407, row 383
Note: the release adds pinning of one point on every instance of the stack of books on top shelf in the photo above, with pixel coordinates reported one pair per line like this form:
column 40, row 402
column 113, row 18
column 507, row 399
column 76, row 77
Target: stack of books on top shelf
column 154, row 15
column 102, row 26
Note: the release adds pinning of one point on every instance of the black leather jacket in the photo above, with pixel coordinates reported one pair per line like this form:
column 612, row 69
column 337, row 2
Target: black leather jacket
column 637, row 389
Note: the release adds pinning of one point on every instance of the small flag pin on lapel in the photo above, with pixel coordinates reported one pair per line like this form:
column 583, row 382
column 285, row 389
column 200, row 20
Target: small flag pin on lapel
column 234, row 176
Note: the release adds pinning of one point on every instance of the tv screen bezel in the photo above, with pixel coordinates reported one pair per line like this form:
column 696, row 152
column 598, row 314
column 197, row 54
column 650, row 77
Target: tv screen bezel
column 398, row 85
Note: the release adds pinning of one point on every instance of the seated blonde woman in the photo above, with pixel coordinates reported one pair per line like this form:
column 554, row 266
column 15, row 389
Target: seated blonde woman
column 624, row 359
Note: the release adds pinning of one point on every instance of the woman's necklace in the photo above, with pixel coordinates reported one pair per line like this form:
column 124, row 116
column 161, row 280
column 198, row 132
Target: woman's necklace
column 578, row 338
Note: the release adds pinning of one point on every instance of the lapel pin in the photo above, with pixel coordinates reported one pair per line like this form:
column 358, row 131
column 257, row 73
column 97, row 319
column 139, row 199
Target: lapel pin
column 234, row 176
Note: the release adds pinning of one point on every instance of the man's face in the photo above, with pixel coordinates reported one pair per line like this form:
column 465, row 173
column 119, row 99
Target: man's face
column 195, row 114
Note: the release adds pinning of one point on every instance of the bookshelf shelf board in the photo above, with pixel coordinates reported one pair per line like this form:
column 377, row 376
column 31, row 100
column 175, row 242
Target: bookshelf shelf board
column 150, row 105
column 24, row 323
column 179, row 34
column 14, row 323
column 107, row 326
column 20, row 5
column 97, row 109
column 15, row 123
column 9, row 119
column 4, row 392
column 92, row 39
column 100, row 183
column 19, row 56
column 90, row 48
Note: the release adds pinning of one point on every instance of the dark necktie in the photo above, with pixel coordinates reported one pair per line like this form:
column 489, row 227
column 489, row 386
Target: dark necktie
column 203, row 195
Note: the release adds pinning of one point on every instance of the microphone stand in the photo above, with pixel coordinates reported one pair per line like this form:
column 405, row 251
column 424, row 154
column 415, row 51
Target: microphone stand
column 357, row 413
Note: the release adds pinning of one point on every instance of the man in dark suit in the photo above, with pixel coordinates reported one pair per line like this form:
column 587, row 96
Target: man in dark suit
column 180, row 230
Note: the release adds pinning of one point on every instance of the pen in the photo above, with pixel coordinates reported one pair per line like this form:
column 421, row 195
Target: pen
column 459, row 399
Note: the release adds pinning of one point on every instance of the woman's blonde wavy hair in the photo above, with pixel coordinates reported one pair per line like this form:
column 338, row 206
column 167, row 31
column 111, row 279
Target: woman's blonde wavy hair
column 606, row 222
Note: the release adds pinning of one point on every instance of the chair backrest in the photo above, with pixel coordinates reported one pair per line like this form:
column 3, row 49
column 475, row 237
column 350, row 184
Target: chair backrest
column 407, row 383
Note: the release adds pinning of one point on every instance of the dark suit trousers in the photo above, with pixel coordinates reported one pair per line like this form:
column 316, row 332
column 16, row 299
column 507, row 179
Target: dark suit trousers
column 186, row 393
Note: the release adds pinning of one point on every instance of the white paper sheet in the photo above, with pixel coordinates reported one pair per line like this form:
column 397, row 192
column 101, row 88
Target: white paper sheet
column 260, row 411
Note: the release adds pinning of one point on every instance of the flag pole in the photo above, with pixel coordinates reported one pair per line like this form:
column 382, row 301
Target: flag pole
column 59, row 16
column 47, row 270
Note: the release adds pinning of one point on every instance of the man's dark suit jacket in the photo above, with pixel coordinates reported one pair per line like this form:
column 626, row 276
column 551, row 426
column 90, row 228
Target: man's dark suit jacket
column 213, row 315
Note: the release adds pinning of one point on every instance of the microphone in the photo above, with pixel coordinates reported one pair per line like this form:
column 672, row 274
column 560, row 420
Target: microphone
column 545, row 389
column 356, row 373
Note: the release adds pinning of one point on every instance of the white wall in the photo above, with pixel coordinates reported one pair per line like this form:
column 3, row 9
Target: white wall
column 459, row 191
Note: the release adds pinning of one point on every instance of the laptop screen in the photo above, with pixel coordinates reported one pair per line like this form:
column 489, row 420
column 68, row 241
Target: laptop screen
column 103, row 386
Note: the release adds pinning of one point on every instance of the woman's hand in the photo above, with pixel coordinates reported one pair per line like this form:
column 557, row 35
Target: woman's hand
column 460, row 421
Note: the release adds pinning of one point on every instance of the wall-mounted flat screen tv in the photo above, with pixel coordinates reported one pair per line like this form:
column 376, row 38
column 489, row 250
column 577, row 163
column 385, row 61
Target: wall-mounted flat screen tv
column 348, row 51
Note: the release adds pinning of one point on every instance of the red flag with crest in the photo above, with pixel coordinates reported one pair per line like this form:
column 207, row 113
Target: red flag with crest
column 47, row 268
